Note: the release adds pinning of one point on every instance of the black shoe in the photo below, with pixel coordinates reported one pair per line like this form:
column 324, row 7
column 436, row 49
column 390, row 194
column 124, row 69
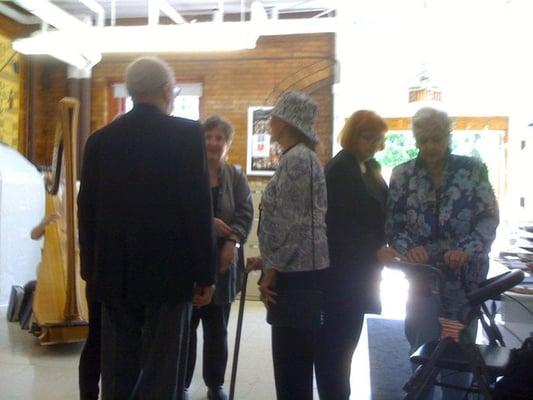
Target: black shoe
column 216, row 393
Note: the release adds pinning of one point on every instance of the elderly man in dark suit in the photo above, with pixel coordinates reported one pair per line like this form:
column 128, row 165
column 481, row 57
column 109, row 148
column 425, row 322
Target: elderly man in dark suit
column 146, row 238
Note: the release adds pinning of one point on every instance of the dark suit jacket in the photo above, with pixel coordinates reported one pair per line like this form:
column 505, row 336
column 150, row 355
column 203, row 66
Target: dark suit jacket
column 355, row 222
column 144, row 209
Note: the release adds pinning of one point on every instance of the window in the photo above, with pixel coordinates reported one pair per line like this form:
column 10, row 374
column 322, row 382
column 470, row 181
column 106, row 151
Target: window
column 485, row 143
column 186, row 104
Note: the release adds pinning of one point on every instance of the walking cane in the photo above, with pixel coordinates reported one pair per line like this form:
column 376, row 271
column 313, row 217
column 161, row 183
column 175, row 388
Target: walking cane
column 238, row 337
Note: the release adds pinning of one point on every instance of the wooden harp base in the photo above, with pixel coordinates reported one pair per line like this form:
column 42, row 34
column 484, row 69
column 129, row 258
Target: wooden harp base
column 73, row 332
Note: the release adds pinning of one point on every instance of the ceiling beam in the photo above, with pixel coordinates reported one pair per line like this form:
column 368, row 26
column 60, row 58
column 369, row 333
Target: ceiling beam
column 52, row 14
column 18, row 16
column 171, row 12
column 97, row 9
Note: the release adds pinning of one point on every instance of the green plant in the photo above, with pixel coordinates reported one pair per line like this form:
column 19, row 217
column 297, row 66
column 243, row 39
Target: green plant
column 399, row 148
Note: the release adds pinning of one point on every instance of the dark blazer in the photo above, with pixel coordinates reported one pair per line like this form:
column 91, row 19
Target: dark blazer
column 144, row 209
column 355, row 222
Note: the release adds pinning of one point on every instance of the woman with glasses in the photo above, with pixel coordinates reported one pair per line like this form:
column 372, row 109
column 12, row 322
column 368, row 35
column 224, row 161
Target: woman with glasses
column 441, row 209
column 357, row 196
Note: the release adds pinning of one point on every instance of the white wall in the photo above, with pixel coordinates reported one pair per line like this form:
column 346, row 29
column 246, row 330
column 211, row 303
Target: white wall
column 21, row 208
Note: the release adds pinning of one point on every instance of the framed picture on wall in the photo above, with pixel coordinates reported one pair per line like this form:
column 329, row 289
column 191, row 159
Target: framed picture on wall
column 262, row 155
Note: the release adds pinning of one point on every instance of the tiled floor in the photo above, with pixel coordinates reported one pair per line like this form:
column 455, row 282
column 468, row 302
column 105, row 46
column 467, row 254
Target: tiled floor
column 29, row 371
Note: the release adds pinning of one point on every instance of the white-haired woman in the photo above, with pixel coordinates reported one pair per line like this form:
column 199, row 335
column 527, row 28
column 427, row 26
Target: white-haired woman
column 441, row 209
column 292, row 238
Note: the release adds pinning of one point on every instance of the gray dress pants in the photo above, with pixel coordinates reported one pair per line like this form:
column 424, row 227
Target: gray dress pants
column 144, row 350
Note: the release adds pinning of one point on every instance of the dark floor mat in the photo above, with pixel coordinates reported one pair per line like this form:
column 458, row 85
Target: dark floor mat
column 388, row 351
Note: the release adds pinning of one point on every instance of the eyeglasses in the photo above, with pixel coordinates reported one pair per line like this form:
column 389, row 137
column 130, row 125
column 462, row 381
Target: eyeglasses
column 371, row 138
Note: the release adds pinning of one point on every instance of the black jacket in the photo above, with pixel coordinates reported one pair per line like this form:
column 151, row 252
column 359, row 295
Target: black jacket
column 355, row 222
column 144, row 209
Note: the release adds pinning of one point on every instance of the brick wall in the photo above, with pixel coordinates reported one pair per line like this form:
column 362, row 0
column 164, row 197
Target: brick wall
column 50, row 76
column 13, row 29
column 234, row 81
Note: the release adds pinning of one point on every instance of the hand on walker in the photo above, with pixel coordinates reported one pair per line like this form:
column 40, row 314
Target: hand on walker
column 386, row 254
column 455, row 259
column 418, row 255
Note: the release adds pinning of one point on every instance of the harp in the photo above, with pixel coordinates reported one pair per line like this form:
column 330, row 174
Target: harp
column 60, row 309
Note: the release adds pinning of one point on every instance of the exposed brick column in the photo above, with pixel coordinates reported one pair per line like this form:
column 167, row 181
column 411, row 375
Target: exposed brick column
column 33, row 105
column 79, row 87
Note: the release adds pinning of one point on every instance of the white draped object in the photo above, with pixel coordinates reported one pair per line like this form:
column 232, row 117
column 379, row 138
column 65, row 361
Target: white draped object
column 21, row 208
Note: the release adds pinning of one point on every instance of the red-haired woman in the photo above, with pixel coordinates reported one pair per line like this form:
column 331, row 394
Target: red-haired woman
column 357, row 196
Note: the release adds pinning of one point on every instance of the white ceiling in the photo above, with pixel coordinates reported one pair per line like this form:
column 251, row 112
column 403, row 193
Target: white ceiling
column 139, row 8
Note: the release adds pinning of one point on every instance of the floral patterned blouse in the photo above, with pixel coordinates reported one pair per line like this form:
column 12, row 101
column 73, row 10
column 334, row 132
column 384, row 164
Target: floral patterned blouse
column 285, row 239
column 462, row 214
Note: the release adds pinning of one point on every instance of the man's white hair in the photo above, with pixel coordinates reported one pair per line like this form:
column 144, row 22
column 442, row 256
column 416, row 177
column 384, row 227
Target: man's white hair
column 146, row 75
column 429, row 119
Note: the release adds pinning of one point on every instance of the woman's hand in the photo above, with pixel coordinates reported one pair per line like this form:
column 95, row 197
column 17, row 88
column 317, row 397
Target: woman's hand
column 221, row 228
column 267, row 286
column 455, row 259
column 418, row 255
column 227, row 256
column 37, row 232
column 254, row 264
column 386, row 254
column 51, row 218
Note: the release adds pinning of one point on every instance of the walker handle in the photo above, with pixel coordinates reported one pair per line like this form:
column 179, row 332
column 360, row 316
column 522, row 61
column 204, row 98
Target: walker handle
column 409, row 267
column 495, row 286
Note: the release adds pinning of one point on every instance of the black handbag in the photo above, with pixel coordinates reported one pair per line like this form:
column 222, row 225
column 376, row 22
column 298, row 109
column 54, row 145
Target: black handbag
column 299, row 307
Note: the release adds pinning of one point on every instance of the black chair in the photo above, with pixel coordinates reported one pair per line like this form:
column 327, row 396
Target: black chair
column 486, row 362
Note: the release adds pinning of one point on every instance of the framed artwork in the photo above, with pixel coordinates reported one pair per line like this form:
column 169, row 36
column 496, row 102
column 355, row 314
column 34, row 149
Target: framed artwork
column 262, row 156
column 9, row 94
